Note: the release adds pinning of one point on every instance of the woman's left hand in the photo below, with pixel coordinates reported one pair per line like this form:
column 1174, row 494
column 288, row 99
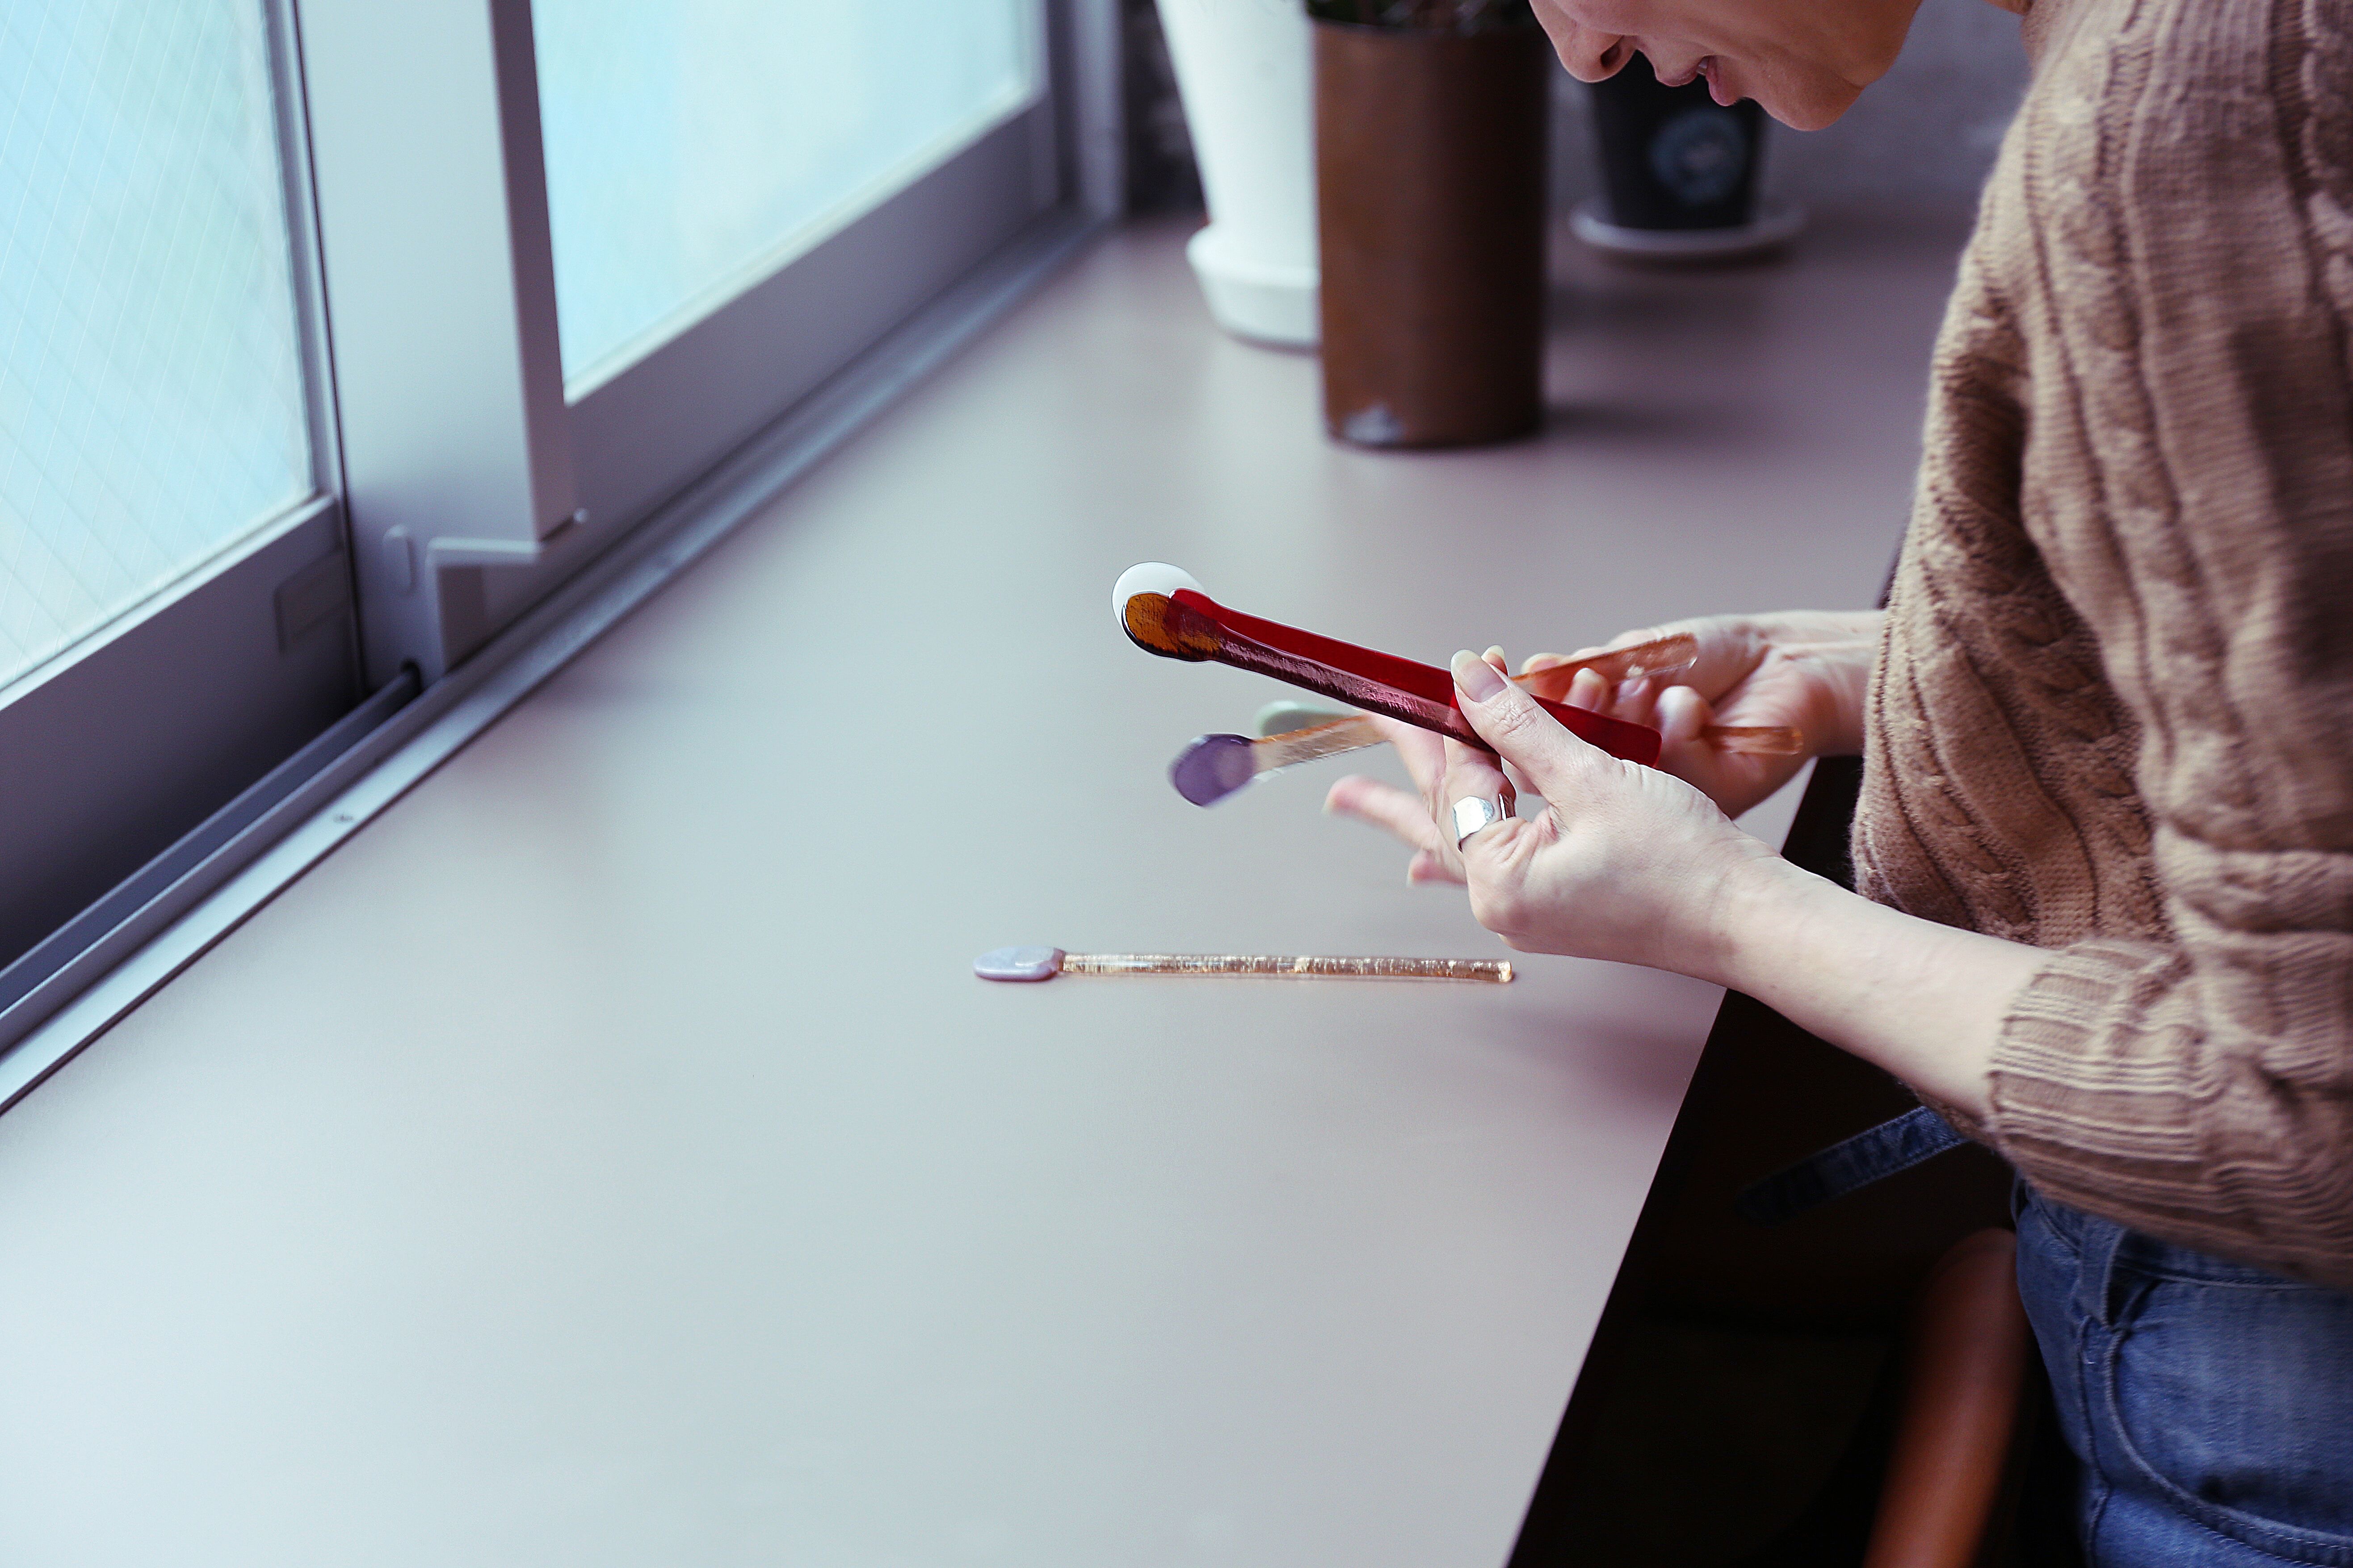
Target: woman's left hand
column 1625, row 862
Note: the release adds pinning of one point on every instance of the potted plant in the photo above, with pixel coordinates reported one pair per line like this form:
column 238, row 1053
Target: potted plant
column 1241, row 68
column 1430, row 128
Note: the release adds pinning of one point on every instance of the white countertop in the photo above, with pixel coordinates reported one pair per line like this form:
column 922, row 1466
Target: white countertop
column 608, row 1158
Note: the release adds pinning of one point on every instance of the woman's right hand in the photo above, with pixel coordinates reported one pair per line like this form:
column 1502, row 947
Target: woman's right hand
column 1807, row 669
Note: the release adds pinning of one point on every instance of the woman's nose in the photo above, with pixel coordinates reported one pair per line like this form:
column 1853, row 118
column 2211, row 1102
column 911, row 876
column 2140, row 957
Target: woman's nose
column 1591, row 56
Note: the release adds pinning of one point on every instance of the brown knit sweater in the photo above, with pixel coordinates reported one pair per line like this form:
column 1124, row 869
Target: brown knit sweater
column 2113, row 713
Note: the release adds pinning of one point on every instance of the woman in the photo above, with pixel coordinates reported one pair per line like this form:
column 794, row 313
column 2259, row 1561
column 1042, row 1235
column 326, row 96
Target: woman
column 2105, row 843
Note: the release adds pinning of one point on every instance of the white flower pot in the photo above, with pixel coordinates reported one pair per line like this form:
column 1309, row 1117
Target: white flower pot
column 1243, row 71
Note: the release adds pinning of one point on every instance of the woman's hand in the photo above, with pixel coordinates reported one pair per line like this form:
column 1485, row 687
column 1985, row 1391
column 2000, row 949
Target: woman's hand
column 1632, row 864
column 1806, row 668
column 1625, row 863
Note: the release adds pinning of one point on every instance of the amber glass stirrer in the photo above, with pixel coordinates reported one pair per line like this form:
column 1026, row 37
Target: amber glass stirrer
column 1045, row 963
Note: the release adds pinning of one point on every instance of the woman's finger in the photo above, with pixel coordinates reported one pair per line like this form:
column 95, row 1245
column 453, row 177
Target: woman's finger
column 1473, row 774
column 1424, row 753
column 1556, row 761
column 1394, row 811
column 1387, row 807
column 1428, row 866
column 1472, row 755
column 1471, row 771
column 1683, row 714
column 1635, row 700
column 1682, row 750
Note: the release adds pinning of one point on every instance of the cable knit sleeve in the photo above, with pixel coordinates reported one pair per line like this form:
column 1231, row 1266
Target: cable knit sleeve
column 2197, row 390
column 2165, row 276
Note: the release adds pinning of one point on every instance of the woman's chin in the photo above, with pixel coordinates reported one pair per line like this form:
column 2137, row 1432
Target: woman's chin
column 1810, row 106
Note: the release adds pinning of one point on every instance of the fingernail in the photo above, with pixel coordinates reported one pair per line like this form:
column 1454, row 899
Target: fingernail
column 1475, row 676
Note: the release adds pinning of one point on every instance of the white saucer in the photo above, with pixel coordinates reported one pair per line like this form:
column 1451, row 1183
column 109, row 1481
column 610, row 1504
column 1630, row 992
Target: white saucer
column 1777, row 225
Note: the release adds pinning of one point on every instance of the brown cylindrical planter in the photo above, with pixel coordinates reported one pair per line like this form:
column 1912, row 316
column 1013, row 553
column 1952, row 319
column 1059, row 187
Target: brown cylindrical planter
column 1429, row 169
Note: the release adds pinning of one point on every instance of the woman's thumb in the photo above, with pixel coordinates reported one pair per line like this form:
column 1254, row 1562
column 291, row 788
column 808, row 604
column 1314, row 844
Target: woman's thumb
column 1524, row 734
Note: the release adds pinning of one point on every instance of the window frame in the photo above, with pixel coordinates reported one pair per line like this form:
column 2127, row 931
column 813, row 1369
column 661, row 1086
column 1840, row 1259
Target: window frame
column 116, row 746
column 445, row 556
column 640, row 432
column 433, row 202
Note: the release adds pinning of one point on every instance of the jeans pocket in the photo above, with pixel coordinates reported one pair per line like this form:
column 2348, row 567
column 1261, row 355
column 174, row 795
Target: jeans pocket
column 2234, row 1401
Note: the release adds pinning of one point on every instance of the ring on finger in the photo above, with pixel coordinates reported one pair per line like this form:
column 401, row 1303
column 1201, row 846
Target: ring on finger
column 1472, row 813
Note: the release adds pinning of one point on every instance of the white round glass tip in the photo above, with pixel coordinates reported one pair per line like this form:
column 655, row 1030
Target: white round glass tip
column 1018, row 963
column 1148, row 577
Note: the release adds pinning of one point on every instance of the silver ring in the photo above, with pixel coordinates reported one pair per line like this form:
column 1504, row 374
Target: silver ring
column 1472, row 813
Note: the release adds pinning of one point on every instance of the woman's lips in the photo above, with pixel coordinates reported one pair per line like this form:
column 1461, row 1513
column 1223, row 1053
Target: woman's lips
column 1705, row 66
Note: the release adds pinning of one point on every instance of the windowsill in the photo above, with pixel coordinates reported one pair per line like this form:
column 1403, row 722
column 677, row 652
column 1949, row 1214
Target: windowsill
column 607, row 1154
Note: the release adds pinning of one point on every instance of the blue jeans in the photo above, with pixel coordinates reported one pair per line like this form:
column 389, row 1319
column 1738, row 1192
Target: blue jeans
column 2208, row 1405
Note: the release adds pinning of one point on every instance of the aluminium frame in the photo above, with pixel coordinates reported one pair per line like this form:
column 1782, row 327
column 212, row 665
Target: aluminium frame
column 166, row 912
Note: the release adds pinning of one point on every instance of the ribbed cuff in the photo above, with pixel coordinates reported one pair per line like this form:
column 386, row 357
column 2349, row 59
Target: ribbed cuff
column 2091, row 1092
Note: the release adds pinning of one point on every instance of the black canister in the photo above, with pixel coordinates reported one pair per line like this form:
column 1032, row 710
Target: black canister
column 1673, row 158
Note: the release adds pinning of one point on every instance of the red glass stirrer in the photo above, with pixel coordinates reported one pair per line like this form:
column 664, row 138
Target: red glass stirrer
column 1163, row 611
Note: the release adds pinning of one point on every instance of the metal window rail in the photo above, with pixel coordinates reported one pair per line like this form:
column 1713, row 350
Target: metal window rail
column 70, row 989
column 463, row 510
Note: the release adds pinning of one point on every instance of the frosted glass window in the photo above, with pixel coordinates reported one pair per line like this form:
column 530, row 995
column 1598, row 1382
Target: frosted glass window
column 694, row 146
column 152, row 406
